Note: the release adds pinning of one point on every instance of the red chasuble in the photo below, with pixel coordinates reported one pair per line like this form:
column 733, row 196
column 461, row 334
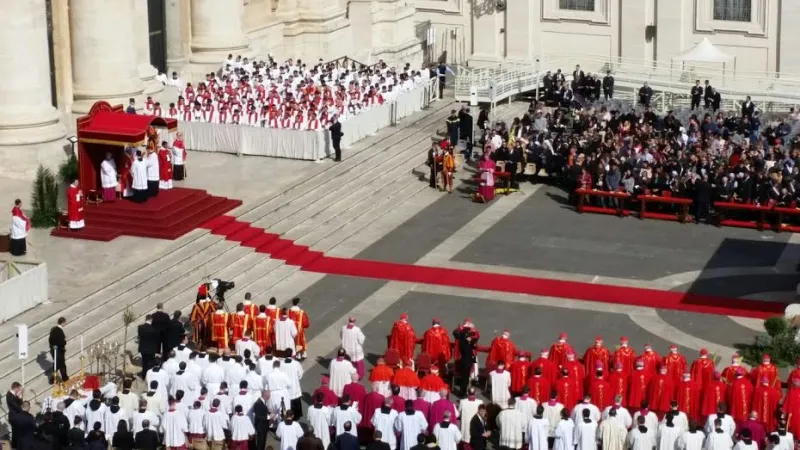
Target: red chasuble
column 791, row 408
column 436, row 343
column 300, row 319
column 794, row 376
column 540, row 388
column 687, row 394
column 520, row 372
column 219, row 329
column 659, row 393
column 577, row 375
column 619, row 384
column 627, row 357
column 739, row 396
column 558, row 353
column 566, row 393
column 601, row 392
column 403, row 339
column 765, row 403
column 262, row 330
column 501, row 349
column 730, row 372
column 763, row 370
column 637, row 390
column 596, row 354
column 712, row 394
column 703, row 371
column 240, row 323
column 74, row 204
column 676, row 366
column 651, row 361
column 549, row 371
column 164, row 165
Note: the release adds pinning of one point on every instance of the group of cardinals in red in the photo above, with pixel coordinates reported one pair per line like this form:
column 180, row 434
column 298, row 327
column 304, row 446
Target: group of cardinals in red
column 645, row 379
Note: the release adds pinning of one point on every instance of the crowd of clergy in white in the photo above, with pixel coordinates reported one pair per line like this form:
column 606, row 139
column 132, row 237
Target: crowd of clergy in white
column 292, row 95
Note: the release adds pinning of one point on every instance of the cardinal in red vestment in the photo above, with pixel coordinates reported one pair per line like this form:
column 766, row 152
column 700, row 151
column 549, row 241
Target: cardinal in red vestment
column 651, row 361
column 407, row 380
column 576, row 373
column 730, row 372
column 436, row 343
column 618, row 380
column 547, row 367
column 164, row 167
column 637, row 387
column 403, row 338
column 520, row 371
column 660, row 390
column 595, row 354
column 687, row 394
column 565, row 388
column 329, row 397
column 302, row 323
column 794, row 375
column 791, row 408
column 381, row 378
column 601, row 391
column 559, row 350
column 539, row 386
column 765, row 403
column 740, row 395
column 626, row 356
column 75, row 202
column 765, row 370
column 431, row 384
column 501, row 349
column 714, row 393
column 675, row 364
column 703, row 368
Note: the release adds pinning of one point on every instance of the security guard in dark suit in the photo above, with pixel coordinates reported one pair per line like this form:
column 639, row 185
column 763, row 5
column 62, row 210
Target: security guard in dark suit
column 453, row 126
column 608, row 85
column 697, row 94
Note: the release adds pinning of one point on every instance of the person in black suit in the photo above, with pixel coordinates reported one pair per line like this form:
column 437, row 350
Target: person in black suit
column 75, row 436
column 14, row 398
column 52, row 430
column 708, row 94
column 608, row 85
column 748, row 107
column 175, row 332
column 146, row 439
column 58, row 344
column 477, row 430
column 431, row 163
column 149, row 343
column 465, row 123
column 420, row 443
column 23, row 426
column 466, row 343
column 347, row 441
column 336, row 138
column 378, row 444
column 696, row 93
column 161, row 322
column 261, row 420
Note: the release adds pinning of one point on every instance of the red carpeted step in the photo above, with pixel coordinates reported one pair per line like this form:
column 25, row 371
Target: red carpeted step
column 245, row 234
column 218, row 221
column 230, row 229
column 275, row 246
column 260, row 240
column 290, row 252
column 88, row 233
column 304, row 259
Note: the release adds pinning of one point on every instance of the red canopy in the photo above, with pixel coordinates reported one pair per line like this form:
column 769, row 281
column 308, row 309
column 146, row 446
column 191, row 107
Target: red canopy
column 109, row 129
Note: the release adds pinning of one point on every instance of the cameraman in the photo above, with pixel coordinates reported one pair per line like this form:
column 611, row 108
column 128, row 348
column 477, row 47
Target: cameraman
column 466, row 341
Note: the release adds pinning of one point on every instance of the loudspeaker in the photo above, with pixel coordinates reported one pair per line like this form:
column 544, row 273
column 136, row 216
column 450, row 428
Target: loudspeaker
column 22, row 341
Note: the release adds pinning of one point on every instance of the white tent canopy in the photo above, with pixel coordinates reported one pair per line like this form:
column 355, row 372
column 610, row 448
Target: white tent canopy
column 704, row 51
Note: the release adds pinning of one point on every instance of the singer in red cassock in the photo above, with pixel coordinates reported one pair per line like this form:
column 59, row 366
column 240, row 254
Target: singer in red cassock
column 765, row 370
column 559, row 350
column 714, row 393
column 520, row 371
column 164, row 167
column 660, row 391
column 626, row 356
column 791, row 408
column 597, row 353
column 501, row 349
column 403, row 338
column 651, row 360
column 436, row 343
column 740, row 395
column 687, row 394
column 637, row 387
column 548, row 368
column 765, row 403
column 675, row 364
column 618, row 380
column 539, row 386
column 794, row 375
column 75, row 201
column 601, row 391
column 576, row 373
column 703, row 368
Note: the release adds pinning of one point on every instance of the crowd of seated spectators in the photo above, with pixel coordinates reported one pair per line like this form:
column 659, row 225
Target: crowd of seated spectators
column 696, row 154
column 292, row 95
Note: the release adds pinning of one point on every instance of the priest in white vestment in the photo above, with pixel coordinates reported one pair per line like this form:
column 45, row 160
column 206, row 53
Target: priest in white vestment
column 611, row 433
column 174, row 427
column 341, row 373
column 538, row 431
column 383, row 420
column 621, row 413
column 353, row 343
column 409, row 424
column 728, row 425
column 467, row 408
column 108, row 178
column 289, row 432
column 285, row 332
column 585, row 405
column 679, row 417
column 641, row 438
column 278, row 384
column 242, row 430
column 320, row 417
column 691, row 440
column 216, row 423
column 718, row 439
column 344, row 413
column 526, row 405
column 500, row 380
column 552, row 412
column 564, row 433
column 512, row 426
column 585, row 436
column 447, row 434
column 668, row 433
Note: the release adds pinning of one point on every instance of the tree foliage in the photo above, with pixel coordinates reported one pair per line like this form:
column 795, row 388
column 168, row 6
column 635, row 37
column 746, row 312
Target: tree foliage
column 44, row 199
column 779, row 342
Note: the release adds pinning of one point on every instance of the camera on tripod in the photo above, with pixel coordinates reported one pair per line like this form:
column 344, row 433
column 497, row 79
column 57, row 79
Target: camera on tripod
column 221, row 287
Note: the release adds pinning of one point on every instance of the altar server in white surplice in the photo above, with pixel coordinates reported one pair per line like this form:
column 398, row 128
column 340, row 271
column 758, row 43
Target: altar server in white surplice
column 668, row 433
column 526, row 405
column 278, row 385
column 114, row 414
column 216, row 423
column 96, row 411
column 341, row 371
column 383, row 420
column 289, row 432
column 344, row 413
column 467, row 408
column 285, row 332
column 538, row 431
column 174, row 426
column 691, row 440
column 409, row 424
column 319, row 417
column 586, row 432
column 197, row 426
column 565, row 433
column 242, row 429
column 353, row 343
column 641, row 437
column 718, row 439
column 447, row 434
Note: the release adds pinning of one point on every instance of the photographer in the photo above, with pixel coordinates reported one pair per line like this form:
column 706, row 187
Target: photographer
column 466, row 343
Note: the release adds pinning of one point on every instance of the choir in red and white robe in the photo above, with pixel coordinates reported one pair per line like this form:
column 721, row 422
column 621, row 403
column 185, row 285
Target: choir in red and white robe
column 164, row 169
column 75, row 207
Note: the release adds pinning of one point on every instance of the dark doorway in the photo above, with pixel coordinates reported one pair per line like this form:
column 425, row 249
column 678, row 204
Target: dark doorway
column 156, row 20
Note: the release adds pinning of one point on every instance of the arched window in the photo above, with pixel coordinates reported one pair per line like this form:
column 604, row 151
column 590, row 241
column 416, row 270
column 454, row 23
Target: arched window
column 733, row 10
column 576, row 5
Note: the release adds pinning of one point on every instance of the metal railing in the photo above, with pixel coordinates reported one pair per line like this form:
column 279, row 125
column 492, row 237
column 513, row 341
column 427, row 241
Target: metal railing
column 346, row 62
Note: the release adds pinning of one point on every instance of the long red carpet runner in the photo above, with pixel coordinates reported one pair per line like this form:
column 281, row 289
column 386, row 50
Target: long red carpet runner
column 314, row 261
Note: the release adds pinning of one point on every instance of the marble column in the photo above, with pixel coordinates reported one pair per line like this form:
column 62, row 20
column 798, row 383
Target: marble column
column 26, row 112
column 104, row 53
column 217, row 31
column 176, row 54
column 142, row 38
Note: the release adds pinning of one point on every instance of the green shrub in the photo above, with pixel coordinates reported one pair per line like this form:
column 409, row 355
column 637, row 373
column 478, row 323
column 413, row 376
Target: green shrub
column 779, row 343
column 68, row 170
column 776, row 326
column 44, row 199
